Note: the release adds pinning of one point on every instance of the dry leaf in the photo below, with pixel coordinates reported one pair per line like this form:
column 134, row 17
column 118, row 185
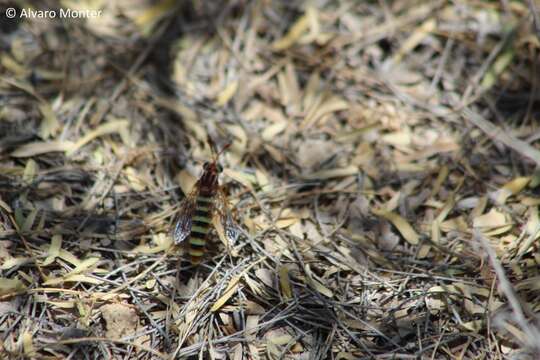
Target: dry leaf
column 84, row 265
column 479, row 208
column 498, row 66
column 265, row 276
column 29, row 221
column 42, row 147
column 398, row 138
column 69, row 257
column 312, row 153
column 27, row 343
column 54, row 249
column 111, row 127
column 279, row 336
column 423, row 251
column 147, row 17
column 186, row 180
column 492, row 219
column 30, row 171
column 226, row 94
column 243, row 178
column 532, row 229
column 49, row 125
column 405, row 229
column 9, row 286
column 227, row 294
column 473, row 326
column 284, row 283
column 293, row 35
column 328, row 106
column 388, row 239
column 510, row 188
column 13, row 66
column 414, row 39
column 289, row 88
column 331, row 173
column 11, row 262
column 239, row 145
column 72, row 278
column 458, row 223
column 163, row 242
column 192, row 123
column 317, row 285
column 262, row 180
column 271, row 131
column 5, row 206
column 121, row 320
column 134, row 179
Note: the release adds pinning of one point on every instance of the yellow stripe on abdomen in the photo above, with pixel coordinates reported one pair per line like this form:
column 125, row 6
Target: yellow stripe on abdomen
column 199, row 229
column 196, row 241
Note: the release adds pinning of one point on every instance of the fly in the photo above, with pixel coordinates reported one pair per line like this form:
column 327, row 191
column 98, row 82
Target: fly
column 194, row 220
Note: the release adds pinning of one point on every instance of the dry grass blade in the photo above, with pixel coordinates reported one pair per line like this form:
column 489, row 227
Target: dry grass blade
column 503, row 136
column 532, row 333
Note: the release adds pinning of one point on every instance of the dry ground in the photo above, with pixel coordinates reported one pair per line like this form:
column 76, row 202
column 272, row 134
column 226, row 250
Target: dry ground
column 382, row 173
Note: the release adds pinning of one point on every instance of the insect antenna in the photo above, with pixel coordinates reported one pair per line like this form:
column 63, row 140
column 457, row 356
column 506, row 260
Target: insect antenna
column 225, row 147
column 215, row 153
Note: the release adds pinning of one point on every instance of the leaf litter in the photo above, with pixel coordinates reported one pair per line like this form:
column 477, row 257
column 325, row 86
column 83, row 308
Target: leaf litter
column 382, row 173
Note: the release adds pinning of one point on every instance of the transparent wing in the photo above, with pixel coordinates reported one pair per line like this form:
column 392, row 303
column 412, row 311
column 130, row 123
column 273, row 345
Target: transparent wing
column 231, row 230
column 182, row 223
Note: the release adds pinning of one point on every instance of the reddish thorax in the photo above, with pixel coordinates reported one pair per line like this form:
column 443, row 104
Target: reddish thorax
column 208, row 182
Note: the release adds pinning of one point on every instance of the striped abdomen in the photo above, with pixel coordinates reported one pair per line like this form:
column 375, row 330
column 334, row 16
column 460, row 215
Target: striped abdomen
column 200, row 227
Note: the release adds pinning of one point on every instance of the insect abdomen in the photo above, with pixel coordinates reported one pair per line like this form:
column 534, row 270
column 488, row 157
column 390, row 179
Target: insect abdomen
column 200, row 228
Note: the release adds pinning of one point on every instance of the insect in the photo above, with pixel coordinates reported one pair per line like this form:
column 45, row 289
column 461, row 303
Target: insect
column 194, row 219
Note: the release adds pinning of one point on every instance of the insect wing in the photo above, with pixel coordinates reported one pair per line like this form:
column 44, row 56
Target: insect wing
column 184, row 219
column 231, row 229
